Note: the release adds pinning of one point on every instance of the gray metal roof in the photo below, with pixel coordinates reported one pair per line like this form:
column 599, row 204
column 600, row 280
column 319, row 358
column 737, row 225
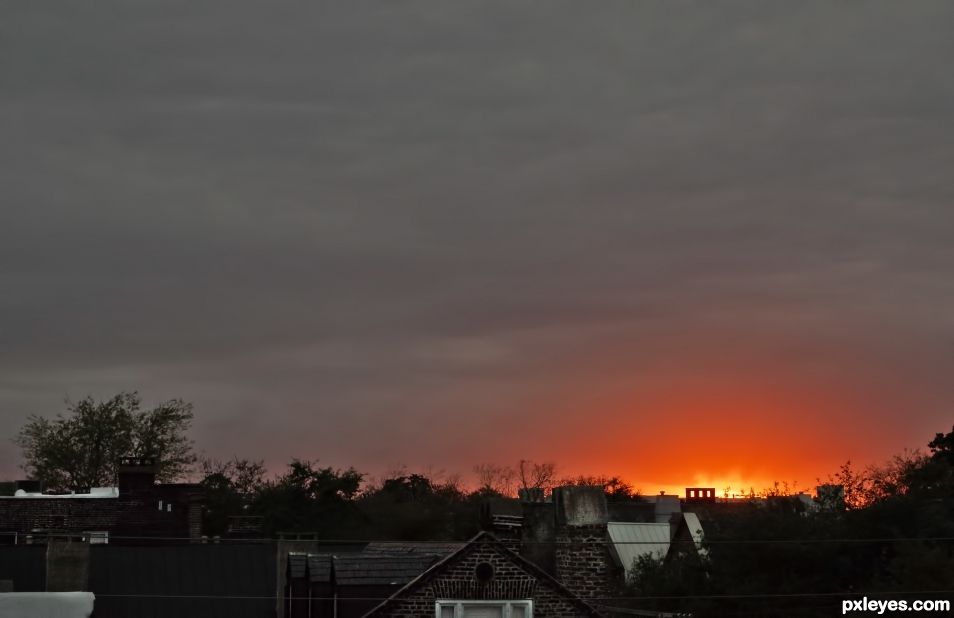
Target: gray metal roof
column 380, row 569
column 634, row 540
column 695, row 526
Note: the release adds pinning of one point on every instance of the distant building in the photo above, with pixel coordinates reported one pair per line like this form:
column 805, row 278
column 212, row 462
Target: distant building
column 138, row 511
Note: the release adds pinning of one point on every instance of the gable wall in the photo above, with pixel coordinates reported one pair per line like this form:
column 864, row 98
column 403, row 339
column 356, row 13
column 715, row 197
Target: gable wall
column 455, row 580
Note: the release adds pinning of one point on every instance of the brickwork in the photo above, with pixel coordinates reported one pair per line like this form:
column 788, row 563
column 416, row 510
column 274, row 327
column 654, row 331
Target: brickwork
column 456, row 579
column 132, row 515
column 583, row 561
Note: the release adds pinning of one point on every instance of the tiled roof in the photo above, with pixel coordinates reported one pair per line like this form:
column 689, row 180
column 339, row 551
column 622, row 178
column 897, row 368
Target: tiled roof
column 297, row 562
column 412, row 547
column 380, row 569
column 319, row 567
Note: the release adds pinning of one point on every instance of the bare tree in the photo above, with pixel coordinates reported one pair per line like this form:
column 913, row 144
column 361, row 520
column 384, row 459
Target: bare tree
column 498, row 479
column 534, row 475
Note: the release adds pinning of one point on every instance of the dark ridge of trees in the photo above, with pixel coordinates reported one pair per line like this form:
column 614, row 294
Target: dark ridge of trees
column 343, row 504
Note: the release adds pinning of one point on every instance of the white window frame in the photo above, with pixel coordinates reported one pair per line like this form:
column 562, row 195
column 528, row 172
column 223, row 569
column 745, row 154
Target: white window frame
column 96, row 537
column 508, row 604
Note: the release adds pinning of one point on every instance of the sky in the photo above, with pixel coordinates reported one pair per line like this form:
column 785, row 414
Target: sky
column 688, row 243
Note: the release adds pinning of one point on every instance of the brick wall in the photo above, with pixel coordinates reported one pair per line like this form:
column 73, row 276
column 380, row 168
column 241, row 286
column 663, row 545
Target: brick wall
column 583, row 561
column 134, row 514
column 456, row 580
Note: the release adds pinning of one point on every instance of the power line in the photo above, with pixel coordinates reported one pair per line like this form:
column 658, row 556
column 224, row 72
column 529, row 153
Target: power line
column 224, row 540
column 712, row 597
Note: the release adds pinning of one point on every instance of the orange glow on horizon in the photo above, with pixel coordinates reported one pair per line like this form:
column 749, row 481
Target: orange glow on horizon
column 736, row 436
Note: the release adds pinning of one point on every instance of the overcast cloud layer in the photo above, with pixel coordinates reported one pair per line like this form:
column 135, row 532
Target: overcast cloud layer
column 444, row 233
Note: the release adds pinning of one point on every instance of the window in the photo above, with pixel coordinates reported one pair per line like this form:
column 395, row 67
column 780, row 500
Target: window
column 485, row 609
column 99, row 537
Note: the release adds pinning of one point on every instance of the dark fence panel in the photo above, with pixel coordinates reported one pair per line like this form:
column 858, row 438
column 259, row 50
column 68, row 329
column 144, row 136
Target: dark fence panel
column 25, row 565
column 201, row 581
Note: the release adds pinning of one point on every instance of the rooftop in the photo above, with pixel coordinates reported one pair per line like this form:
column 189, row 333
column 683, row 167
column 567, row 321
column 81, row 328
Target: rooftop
column 95, row 492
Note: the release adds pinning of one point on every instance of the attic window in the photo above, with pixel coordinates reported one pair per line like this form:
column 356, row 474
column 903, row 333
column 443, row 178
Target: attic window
column 484, row 572
column 484, row 609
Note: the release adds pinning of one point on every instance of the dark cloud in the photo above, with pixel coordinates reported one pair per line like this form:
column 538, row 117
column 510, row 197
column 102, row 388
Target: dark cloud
column 376, row 233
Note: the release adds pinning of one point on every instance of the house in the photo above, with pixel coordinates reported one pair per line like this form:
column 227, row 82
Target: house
column 138, row 511
column 484, row 578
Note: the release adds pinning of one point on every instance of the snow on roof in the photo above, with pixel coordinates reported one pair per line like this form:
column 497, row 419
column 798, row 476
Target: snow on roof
column 95, row 492
column 46, row 604
column 634, row 540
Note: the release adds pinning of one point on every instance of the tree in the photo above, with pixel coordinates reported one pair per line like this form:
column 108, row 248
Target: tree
column 942, row 447
column 308, row 498
column 533, row 475
column 615, row 488
column 82, row 448
column 417, row 507
column 494, row 479
column 230, row 487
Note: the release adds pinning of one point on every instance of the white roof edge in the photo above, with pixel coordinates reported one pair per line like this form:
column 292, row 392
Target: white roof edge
column 94, row 493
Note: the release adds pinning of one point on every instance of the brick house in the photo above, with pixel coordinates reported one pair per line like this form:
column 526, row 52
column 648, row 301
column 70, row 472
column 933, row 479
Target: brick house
column 136, row 512
column 484, row 579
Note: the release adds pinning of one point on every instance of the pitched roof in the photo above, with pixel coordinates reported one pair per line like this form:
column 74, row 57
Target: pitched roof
column 695, row 526
column 380, row 569
column 487, row 537
column 297, row 562
column 319, row 568
column 413, row 547
column 631, row 541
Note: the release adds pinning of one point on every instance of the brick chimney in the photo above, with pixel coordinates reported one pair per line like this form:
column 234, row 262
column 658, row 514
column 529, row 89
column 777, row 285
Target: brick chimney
column 538, row 532
column 137, row 474
column 582, row 557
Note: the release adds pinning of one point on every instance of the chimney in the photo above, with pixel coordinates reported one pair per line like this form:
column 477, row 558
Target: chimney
column 137, row 474
column 582, row 557
column 538, row 532
column 531, row 494
column 665, row 506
